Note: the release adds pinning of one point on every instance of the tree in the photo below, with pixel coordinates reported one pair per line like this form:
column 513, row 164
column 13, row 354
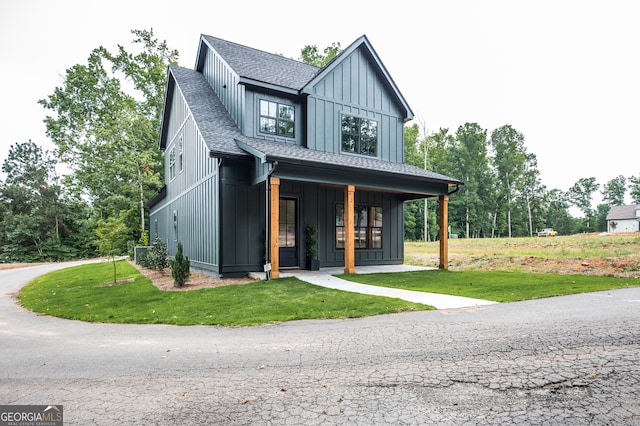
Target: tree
column 613, row 192
column 509, row 159
column 581, row 195
column 602, row 210
column 634, row 187
column 533, row 192
column 30, row 225
column 468, row 162
column 112, row 239
column 107, row 136
column 180, row 268
column 312, row 56
column 557, row 213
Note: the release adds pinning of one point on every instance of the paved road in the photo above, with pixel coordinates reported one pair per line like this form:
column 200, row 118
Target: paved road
column 566, row 360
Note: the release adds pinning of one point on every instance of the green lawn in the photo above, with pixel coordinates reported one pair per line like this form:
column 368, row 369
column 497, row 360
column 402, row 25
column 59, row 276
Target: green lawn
column 494, row 285
column 86, row 293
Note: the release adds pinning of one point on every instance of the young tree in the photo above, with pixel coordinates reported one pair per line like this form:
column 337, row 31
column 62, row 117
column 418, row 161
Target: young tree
column 613, row 192
column 112, row 239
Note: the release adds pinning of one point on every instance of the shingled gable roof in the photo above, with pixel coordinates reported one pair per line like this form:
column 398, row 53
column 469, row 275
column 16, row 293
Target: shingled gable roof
column 257, row 67
column 223, row 137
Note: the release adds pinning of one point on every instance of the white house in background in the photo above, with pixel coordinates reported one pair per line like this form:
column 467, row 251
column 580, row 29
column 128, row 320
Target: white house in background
column 624, row 218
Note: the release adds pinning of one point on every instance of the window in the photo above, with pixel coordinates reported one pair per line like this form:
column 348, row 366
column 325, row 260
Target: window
column 175, row 225
column 180, row 152
column 277, row 119
column 367, row 227
column 287, row 223
column 359, row 135
column 172, row 163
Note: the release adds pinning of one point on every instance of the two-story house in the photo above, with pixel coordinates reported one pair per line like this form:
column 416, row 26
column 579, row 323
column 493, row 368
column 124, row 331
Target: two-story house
column 258, row 146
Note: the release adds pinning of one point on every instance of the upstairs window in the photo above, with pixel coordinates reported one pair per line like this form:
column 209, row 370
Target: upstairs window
column 181, row 152
column 277, row 119
column 359, row 135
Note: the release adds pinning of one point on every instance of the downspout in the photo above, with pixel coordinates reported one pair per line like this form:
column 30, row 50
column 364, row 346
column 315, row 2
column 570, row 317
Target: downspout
column 454, row 191
column 267, row 188
column 220, row 263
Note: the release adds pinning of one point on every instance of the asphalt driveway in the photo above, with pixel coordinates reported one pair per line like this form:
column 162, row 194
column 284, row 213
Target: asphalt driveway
column 564, row 360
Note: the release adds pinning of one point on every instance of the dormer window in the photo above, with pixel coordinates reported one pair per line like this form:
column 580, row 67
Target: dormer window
column 359, row 135
column 277, row 119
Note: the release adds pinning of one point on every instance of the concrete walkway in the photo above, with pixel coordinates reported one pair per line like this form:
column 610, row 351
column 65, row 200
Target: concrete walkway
column 325, row 278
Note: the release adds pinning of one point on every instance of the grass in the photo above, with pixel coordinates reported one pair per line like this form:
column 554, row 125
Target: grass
column 502, row 270
column 86, row 293
column 498, row 286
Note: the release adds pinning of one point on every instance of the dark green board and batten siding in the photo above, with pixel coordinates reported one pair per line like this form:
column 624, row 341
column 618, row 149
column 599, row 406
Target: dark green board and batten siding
column 224, row 82
column 193, row 194
column 354, row 87
column 243, row 221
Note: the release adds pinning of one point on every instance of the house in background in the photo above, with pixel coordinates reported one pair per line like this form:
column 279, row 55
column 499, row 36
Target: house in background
column 624, row 219
column 257, row 147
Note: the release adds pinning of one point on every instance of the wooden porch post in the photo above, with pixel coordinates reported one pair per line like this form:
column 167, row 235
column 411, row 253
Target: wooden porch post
column 444, row 232
column 349, row 230
column 274, row 182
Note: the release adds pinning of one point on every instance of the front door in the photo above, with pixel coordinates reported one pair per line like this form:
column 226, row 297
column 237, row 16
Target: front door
column 287, row 232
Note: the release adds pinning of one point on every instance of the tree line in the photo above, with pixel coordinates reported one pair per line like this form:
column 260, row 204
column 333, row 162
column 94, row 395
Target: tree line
column 104, row 121
column 502, row 195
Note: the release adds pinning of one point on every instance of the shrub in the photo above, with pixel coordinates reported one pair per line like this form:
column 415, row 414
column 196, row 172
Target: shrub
column 180, row 268
column 156, row 257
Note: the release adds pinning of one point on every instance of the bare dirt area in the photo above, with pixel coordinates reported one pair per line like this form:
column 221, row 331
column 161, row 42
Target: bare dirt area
column 616, row 255
column 197, row 280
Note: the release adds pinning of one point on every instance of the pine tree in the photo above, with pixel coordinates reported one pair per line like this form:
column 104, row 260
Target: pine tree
column 180, row 268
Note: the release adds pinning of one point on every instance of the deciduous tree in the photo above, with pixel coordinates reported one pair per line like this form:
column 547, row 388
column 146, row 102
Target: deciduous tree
column 581, row 196
column 107, row 134
column 613, row 192
column 311, row 55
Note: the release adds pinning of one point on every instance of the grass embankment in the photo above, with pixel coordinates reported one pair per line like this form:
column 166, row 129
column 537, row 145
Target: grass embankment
column 87, row 293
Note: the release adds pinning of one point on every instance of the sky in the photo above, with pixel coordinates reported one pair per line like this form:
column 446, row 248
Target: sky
column 566, row 73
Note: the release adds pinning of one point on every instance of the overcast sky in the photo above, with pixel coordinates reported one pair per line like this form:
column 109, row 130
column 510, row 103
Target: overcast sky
column 564, row 73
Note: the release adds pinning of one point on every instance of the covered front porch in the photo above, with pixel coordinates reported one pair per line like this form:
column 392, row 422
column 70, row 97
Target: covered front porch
column 335, row 190
column 275, row 232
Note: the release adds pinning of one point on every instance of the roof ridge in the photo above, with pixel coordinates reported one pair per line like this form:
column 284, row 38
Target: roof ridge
column 260, row 50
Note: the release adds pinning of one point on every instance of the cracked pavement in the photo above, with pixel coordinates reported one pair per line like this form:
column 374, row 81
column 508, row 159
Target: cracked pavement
column 564, row 360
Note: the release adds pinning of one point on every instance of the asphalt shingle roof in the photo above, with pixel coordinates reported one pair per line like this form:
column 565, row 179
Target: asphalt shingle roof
column 212, row 118
column 222, row 135
column 294, row 153
column 623, row 212
column 262, row 66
